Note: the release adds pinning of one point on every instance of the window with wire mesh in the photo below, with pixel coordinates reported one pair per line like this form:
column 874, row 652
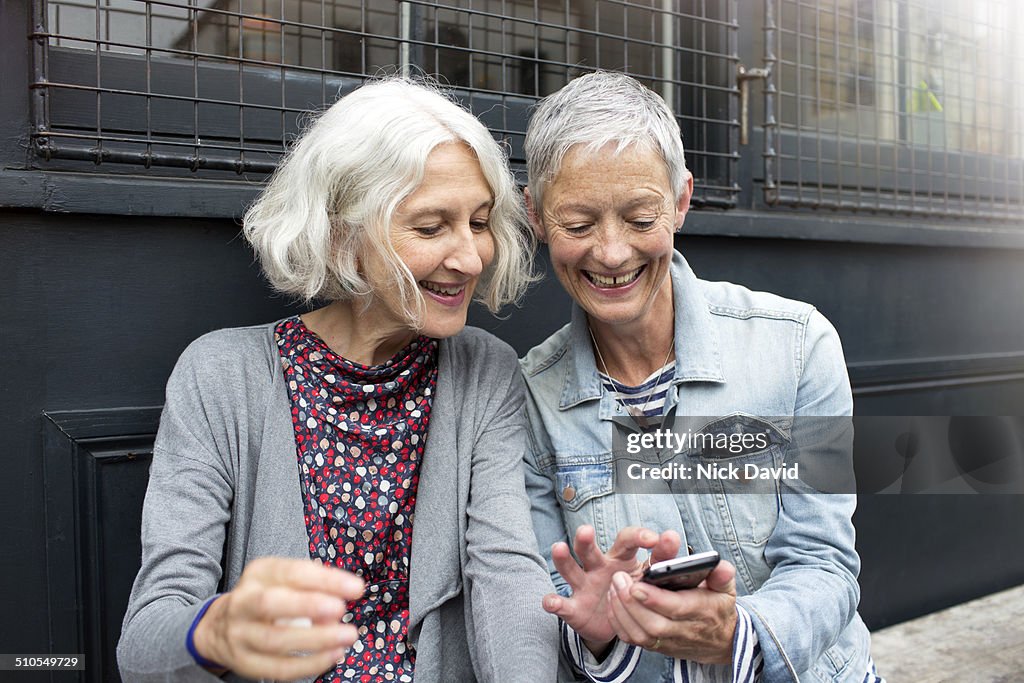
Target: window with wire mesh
column 223, row 86
column 908, row 106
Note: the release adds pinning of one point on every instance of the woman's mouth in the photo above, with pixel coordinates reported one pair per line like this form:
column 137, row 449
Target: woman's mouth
column 614, row 281
column 447, row 294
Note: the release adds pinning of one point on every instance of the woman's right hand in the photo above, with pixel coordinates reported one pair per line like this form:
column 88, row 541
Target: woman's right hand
column 282, row 620
column 586, row 611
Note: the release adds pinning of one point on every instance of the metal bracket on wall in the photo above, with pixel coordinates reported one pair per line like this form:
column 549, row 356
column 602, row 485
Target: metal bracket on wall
column 743, row 78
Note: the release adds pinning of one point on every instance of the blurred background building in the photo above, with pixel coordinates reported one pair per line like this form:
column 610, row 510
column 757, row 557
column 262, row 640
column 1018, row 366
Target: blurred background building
column 864, row 155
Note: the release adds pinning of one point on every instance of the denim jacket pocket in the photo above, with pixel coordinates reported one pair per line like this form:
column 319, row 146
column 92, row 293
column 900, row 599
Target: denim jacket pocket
column 584, row 493
column 745, row 501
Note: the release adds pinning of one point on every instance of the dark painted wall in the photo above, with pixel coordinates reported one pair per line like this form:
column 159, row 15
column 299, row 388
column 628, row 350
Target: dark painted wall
column 95, row 309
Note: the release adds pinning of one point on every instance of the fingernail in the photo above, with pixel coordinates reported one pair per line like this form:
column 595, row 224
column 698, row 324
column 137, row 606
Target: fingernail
column 551, row 603
column 648, row 537
column 639, row 594
column 620, row 580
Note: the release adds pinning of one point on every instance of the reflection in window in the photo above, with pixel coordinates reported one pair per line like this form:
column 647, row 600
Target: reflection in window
column 835, row 64
column 941, row 74
column 958, row 75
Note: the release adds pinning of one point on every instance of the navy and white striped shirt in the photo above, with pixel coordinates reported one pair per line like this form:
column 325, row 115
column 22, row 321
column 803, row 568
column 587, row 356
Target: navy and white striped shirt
column 649, row 396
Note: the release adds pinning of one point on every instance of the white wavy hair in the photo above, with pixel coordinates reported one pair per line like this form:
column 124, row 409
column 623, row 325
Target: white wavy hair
column 594, row 110
column 333, row 196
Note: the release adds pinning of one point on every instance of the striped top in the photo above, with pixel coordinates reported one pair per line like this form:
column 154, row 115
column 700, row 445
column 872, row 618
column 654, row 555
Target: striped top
column 648, row 397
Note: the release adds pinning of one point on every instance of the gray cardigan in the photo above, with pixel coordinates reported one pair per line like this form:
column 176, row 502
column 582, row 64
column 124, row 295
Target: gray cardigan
column 224, row 489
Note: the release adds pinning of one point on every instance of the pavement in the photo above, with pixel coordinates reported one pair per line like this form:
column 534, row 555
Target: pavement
column 981, row 641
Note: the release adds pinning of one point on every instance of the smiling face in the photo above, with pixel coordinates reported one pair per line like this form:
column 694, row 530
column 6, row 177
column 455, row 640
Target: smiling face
column 441, row 233
column 609, row 221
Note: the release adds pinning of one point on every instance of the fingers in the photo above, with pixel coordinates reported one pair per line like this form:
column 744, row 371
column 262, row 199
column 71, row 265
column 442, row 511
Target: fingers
column 585, row 547
column 722, row 579
column 564, row 608
column 566, row 565
column 282, row 620
column 667, row 547
column 697, row 624
column 629, row 540
column 285, row 641
column 672, row 605
column 627, row 631
column 633, row 621
column 306, row 575
column 282, row 602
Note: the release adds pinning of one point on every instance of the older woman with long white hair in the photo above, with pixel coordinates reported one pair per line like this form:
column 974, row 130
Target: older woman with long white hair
column 338, row 494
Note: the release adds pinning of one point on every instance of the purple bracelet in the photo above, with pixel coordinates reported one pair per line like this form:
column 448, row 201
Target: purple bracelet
column 190, row 644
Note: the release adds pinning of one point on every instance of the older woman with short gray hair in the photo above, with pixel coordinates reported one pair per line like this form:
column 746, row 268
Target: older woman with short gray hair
column 339, row 494
column 608, row 192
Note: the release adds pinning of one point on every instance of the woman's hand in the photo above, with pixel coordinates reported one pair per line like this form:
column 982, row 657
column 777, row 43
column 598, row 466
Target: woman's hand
column 281, row 621
column 696, row 624
column 587, row 610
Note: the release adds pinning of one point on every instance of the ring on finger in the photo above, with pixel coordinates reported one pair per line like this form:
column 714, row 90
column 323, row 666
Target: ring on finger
column 655, row 645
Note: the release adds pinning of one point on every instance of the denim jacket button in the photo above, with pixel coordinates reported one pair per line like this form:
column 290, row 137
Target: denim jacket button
column 568, row 493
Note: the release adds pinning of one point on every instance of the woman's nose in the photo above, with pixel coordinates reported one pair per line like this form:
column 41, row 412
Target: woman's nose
column 465, row 256
column 612, row 250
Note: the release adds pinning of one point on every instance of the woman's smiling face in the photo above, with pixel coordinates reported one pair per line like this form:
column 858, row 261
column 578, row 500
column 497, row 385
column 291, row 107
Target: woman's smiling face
column 609, row 220
column 441, row 233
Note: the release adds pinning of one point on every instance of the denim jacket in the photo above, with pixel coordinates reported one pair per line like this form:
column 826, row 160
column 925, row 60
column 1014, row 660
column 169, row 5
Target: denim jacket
column 737, row 353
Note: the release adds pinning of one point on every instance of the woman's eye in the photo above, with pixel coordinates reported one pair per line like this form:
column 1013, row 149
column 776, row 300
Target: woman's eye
column 480, row 226
column 643, row 225
column 577, row 229
column 429, row 230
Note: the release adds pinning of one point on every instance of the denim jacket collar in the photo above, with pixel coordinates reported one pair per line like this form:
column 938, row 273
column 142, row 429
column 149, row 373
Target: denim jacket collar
column 696, row 341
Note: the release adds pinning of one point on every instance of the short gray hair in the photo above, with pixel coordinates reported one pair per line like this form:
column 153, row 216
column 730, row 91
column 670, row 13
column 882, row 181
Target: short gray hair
column 594, row 110
column 334, row 194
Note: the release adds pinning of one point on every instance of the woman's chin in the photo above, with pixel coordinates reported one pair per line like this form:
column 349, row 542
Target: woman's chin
column 443, row 326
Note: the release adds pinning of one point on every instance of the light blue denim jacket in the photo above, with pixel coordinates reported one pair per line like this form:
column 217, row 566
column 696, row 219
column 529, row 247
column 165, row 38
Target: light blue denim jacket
column 736, row 352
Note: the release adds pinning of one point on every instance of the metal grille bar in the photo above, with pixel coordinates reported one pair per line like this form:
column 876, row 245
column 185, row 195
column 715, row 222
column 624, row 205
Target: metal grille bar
column 224, row 85
column 896, row 106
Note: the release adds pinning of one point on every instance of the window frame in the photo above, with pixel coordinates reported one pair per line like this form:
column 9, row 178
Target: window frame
column 82, row 187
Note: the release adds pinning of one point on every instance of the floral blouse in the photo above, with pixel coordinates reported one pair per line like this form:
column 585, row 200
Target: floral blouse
column 360, row 433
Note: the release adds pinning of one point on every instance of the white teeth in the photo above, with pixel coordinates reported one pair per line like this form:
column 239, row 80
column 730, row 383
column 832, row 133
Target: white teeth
column 446, row 291
column 617, row 281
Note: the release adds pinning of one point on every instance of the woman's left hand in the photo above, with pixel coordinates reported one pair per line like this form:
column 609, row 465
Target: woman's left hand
column 695, row 624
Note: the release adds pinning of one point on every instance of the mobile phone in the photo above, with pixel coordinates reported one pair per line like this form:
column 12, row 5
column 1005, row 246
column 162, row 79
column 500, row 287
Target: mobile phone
column 682, row 572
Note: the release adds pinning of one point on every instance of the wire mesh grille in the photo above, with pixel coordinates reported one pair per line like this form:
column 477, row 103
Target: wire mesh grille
column 910, row 106
column 224, row 85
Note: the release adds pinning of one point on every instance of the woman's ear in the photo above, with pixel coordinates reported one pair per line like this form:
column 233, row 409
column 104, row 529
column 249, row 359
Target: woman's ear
column 531, row 214
column 683, row 205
